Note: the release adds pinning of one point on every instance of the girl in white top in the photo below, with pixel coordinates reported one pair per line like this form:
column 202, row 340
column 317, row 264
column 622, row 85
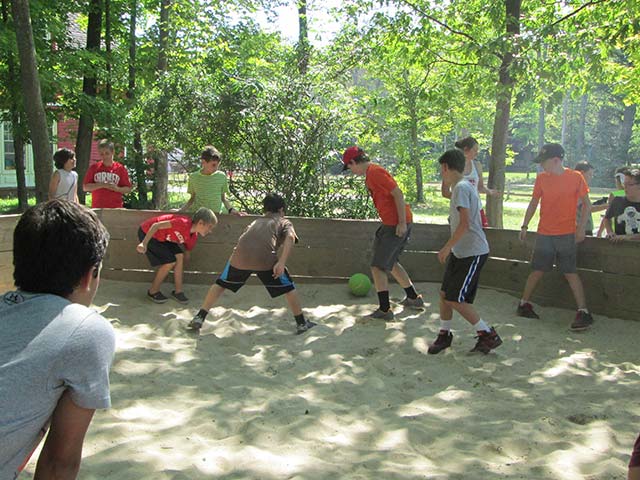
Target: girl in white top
column 472, row 173
column 64, row 182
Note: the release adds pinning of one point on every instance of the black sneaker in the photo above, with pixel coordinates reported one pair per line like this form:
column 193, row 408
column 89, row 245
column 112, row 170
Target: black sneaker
column 196, row 323
column 487, row 341
column 379, row 314
column 157, row 297
column 415, row 303
column 582, row 321
column 526, row 310
column 303, row 327
column 442, row 341
column 179, row 297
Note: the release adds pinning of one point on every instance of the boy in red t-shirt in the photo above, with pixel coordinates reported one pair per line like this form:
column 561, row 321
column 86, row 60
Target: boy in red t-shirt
column 163, row 238
column 106, row 180
column 393, row 234
column 558, row 190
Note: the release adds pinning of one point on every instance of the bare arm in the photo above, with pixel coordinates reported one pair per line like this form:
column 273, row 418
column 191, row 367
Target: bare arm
column 142, row 246
column 481, row 187
column 445, row 189
column 531, row 210
column 53, row 185
column 287, row 246
column 90, row 187
column 398, row 198
column 229, row 207
column 62, row 451
column 459, row 232
column 584, row 215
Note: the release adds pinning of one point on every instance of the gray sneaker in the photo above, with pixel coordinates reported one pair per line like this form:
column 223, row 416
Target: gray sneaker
column 303, row 327
column 379, row 314
column 415, row 303
column 196, row 323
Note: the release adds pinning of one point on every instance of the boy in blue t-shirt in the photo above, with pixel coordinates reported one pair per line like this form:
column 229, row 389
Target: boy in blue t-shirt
column 465, row 253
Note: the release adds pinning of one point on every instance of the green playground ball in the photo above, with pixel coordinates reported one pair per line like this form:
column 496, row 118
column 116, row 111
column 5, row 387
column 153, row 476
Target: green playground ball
column 359, row 284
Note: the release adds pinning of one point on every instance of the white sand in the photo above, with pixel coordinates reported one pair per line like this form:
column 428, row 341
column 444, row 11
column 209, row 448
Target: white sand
column 247, row 399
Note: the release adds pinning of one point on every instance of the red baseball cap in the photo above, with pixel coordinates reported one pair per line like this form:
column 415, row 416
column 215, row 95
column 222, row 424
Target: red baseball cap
column 349, row 154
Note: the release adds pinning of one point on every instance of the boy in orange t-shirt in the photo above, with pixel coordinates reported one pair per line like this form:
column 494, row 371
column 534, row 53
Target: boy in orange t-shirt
column 391, row 237
column 558, row 190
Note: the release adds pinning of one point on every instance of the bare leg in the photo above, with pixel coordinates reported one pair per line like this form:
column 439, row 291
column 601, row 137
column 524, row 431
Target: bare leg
column 294, row 302
column 380, row 279
column 178, row 270
column 446, row 312
column 576, row 287
column 466, row 310
column 532, row 282
column 161, row 274
column 214, row 293
column 401, row 275
column 634, row 473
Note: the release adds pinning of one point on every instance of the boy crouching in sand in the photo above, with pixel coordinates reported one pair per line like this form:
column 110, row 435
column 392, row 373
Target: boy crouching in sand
column 257, row 252
column 162, row 238
column 465, row 254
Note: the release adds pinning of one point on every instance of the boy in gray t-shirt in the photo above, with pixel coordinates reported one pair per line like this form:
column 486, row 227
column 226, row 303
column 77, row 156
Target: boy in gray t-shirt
column 55, row 352
column 465, row 253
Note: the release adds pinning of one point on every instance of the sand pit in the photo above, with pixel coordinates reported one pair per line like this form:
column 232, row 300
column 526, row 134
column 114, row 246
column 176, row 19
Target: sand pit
column 248, row 399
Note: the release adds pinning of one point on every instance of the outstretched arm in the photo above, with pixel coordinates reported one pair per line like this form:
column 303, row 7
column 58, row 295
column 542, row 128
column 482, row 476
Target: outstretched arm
column 481, row 186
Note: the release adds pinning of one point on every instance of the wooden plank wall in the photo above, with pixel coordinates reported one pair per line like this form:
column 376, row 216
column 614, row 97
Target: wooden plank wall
column 7, row 224
column 332, row 250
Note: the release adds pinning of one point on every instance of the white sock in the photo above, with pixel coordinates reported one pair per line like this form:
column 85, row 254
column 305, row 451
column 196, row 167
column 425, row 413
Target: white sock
column 523, row 301
column 481, row 326
column 583, row 310
column 445, row 325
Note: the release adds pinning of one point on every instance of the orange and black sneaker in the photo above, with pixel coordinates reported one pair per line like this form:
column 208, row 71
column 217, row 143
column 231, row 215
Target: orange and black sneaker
column 487, row 341
column 442, row 341
column 526, row 310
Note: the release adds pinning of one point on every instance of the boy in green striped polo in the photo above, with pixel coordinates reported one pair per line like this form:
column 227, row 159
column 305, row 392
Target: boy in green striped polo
column 209, row 187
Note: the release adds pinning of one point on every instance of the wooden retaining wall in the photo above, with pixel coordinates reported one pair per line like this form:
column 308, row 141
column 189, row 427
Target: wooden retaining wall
column 332, row 250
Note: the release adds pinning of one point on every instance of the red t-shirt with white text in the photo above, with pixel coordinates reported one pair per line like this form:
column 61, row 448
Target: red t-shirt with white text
column 179, row 232
column 115, row 174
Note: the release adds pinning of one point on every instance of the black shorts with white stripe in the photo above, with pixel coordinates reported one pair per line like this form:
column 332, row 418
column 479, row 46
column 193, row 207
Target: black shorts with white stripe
column 461, row 276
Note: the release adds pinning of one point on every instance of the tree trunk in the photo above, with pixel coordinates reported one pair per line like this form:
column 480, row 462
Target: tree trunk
column 107, row 46
column 565, row 120
column 34, row 108
column 89, row 87
column 303, row 46
column 138, row 160
column 414, row 156
column 161, row 171
column 17, row 125
column 582, row 123
column 626, row 130
column 503, row 112
column 19, row 152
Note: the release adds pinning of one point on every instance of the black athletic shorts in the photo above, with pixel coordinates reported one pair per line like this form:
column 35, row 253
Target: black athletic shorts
column 387, row 247
column 461, row 276
column 635, row 455
column 233, row 279
column 160, row 253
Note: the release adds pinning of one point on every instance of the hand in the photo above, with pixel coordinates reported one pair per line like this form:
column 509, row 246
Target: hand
column 401, row 229
column 141, row 248
column 238, row 214
column 278, row 269
column 580, row 236
column 523, row 234
column 443, row 254
column 612, row 237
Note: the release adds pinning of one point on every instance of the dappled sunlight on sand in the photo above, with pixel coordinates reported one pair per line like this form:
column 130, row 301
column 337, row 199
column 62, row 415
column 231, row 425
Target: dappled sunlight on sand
column 355, row 398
